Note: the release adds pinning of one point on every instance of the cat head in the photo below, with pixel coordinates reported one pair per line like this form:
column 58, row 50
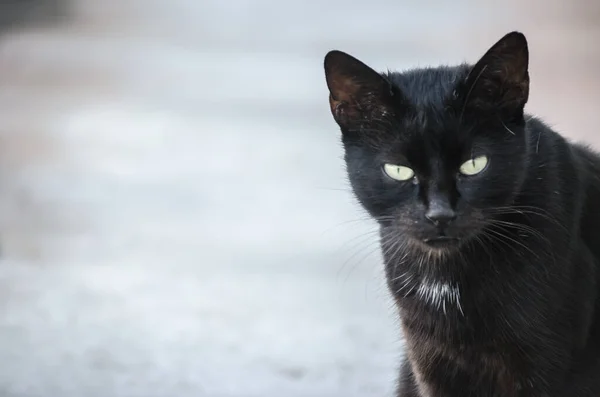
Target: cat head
column 432, row 154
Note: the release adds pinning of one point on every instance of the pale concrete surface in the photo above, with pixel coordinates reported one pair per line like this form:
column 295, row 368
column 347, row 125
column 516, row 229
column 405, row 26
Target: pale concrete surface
column 174, row 217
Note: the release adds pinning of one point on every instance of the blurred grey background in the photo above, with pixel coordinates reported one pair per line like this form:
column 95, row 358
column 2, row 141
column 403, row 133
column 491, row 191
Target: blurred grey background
column 174, row 215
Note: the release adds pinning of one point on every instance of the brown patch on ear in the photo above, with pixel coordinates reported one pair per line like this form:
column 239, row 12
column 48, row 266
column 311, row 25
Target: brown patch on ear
column 343, row 93
column 336, row 106
column 342, row 82
column 356, row 91
column 501, row 79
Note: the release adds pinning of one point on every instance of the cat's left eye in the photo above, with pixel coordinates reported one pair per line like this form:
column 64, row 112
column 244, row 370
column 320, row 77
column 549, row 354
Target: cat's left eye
column 398, row 172
column 474, row 166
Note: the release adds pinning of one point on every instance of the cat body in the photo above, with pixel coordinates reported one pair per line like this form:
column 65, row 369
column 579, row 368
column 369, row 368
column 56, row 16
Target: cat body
column 488, row 222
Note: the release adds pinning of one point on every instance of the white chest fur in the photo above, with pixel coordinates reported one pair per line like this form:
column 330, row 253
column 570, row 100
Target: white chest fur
column 439, row 294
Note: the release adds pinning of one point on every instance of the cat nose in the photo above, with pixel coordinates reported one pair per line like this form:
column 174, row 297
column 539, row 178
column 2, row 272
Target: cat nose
column 440, row 216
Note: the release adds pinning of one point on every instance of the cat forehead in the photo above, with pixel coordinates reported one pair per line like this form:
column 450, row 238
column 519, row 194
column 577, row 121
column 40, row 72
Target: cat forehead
column 433, row 132
column 429, row 87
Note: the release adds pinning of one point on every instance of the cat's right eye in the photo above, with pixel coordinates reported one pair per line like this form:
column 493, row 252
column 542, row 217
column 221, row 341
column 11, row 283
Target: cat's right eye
column 474, row 166
column 398, row 172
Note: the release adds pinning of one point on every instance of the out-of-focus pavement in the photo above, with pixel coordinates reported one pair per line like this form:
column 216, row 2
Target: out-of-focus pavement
column 174, row 216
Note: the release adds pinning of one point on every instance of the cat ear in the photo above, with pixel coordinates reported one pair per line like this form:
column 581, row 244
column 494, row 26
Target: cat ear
column 500, row 79
column 356, row 91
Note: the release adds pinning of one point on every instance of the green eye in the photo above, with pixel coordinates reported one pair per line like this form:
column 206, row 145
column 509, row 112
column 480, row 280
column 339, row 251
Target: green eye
column 474, row 166
column 398, row 172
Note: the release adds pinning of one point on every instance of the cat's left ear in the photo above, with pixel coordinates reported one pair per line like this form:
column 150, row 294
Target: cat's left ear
column 500, row 80
column 356, row 92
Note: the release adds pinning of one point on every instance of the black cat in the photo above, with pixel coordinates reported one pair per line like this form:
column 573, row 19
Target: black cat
column 490, row 225
column 15, row 14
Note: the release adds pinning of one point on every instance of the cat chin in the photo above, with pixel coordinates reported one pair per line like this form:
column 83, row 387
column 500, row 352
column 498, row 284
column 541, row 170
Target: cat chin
column 438, row 247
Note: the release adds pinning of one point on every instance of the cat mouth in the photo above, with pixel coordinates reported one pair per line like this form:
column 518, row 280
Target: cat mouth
column 441, row 241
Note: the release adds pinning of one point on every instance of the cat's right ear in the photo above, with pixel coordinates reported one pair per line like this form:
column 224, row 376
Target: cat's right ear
column 500, row 79
column 356, row 92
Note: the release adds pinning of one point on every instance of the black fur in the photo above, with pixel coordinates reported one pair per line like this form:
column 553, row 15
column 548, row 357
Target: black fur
column 502, row 299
